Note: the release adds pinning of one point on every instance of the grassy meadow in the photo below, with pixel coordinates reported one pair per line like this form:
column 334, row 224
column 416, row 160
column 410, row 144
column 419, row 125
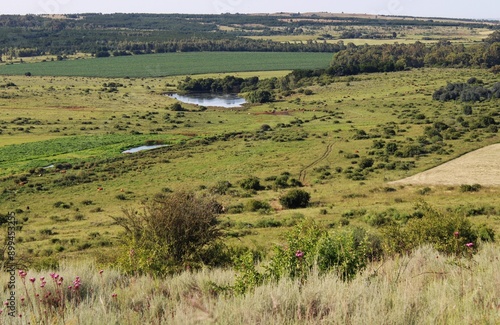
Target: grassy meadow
column 319, row 134
column 81, row 128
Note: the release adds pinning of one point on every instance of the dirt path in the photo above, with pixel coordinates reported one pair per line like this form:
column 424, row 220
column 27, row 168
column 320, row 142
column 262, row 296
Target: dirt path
column 303, row 172
column 478, row 167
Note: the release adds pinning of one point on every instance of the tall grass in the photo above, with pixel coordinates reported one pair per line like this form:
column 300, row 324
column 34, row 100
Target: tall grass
column 424, row 287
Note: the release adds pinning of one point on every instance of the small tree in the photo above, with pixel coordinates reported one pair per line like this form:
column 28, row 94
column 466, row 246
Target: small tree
column 295, row 199
column 260, row 96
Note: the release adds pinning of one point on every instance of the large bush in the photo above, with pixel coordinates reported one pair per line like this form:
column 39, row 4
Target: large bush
column 447, row 233
column 295, row 199
column 177, row 231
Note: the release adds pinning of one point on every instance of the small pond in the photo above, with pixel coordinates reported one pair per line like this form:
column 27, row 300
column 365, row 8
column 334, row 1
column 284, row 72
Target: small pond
column 210, row 100
column 143, row 148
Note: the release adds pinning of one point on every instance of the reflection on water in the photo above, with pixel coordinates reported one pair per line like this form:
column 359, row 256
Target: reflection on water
column 142, row 148
column 210, row 100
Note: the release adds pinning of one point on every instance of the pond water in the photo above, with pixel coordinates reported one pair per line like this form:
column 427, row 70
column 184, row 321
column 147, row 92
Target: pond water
column 143, row 148
column 210, row 100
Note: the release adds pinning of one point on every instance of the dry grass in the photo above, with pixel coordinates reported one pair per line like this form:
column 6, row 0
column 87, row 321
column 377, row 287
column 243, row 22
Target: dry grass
column 422, row 288
column 477, row 167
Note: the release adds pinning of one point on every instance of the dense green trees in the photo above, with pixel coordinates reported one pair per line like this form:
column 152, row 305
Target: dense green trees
column 396, row 57
column 228, row 84
column 472, row 91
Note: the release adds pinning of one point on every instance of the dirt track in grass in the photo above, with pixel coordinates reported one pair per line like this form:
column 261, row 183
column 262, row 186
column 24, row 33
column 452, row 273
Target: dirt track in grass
column 477, row 167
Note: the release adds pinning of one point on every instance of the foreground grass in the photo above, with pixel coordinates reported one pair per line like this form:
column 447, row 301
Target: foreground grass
column 424, row 287
column 171, row 64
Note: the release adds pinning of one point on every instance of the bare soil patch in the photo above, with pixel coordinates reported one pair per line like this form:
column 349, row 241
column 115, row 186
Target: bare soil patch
column 477, row 167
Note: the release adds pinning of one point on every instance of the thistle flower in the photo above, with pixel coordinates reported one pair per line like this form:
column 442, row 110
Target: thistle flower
column 32, row 280
column 470, row 245
column 299, row 254
column 456, row 234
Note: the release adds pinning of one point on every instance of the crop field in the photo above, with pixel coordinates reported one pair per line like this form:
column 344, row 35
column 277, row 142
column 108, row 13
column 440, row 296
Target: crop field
column 171, row 64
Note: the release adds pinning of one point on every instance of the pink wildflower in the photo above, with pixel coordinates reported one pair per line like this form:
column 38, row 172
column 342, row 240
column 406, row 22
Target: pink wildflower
column 101, row 271
column 114, row 295
column 32, row 280
column 456, row 234
column 299, row 254
column 470, row 245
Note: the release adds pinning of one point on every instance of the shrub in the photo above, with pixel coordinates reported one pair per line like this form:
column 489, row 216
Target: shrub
column 256, row 205
column 366, row 163
column 169, row 234
column 485, row 233
column 176, row 107
column 222, row 187
column 295, row 199
column 446, row 233
column 344, row 252
column 260, row 96
column 252, row 184
column 268, row 223
column 470, row 188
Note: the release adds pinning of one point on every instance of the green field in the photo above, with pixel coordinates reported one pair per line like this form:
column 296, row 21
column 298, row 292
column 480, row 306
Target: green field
column 171, row 64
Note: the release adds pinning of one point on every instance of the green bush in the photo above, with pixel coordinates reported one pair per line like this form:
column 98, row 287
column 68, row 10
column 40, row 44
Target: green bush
column 295, row 199
column 447, row 233
column 222, row 187
column 251, row 184
column 256, row 205
column 260, row 96
column 170, row 234
column 343, row 252
column 470, row 188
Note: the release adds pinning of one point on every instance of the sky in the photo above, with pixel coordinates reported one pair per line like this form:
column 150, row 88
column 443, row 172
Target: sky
column 477, row 9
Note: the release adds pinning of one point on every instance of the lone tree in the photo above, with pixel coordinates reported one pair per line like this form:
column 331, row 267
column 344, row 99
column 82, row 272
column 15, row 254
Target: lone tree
column 171, row 233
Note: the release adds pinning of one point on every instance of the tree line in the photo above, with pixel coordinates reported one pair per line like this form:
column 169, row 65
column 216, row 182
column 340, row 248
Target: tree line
column 128, row 34
column 396, row 57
